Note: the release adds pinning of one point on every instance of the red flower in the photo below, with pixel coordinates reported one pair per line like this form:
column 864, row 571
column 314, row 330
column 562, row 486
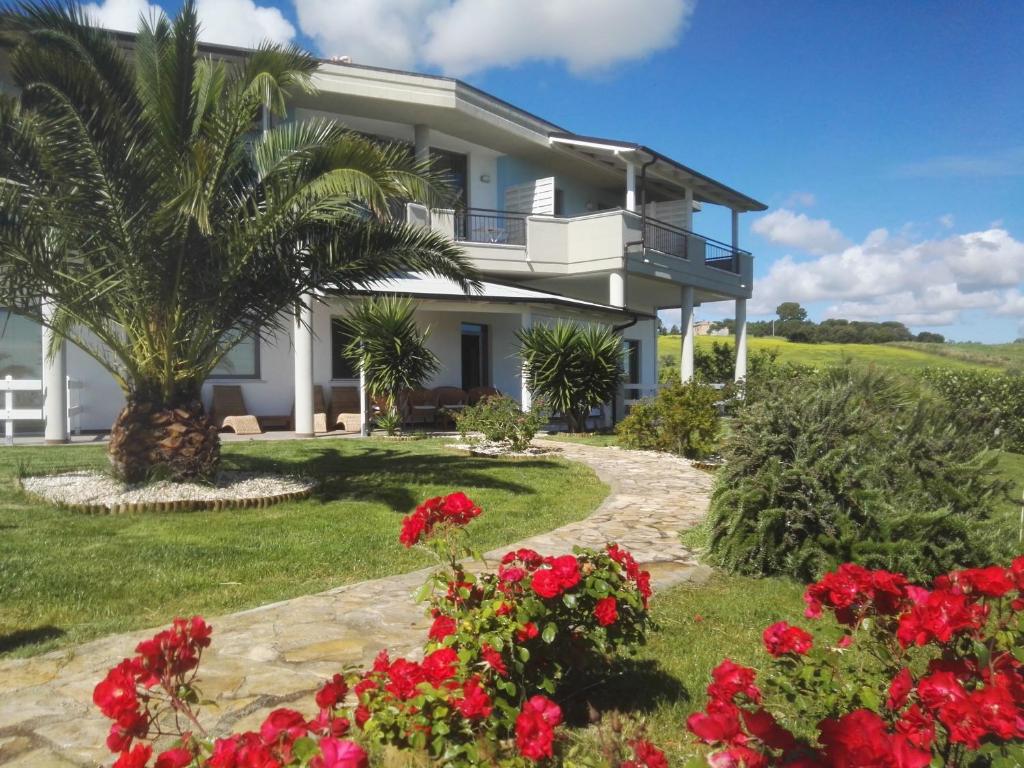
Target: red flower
column 442, row 627
column 130, row 724
column 899, row 689
column 511, row 575
column 454, row 509
column 283, row 724
column 643, row 585
column 730, row 679
column 138, row 757
column 606, row 611
column 332, row 692
column 527, row 632
column 546, row 584
column 719, row 723
column 115, row 693
column 859, row 739
column 527, row 557
column 174, row 758
column 494, row 660
column 942, row 615
column 459, row 509
column 647, row 755
column 403, row 678
column 938, row 689
column 439, row 666
column 336, row 753
column 762, row 725
column 475, row 703
column 567, row 569
column 413, row 527
column 782, row 638
column 993, row 581
column 535, row 728
column 326, row 725
column 918, row 726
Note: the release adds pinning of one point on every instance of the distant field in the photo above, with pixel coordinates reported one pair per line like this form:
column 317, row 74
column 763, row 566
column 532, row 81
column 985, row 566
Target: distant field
column 904, row 356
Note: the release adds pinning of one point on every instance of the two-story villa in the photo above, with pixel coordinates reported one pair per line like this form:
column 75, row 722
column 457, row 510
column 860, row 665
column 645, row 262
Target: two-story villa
column 561, row 225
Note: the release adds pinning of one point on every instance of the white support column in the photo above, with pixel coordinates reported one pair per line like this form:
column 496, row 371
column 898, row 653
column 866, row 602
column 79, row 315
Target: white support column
column 735, row 230
column 630, row 186
column 741, row 339
column 526, row 398
column 617, row 288
column 421, row 142
column 303, row 341
column 55, row 393
column 688, row 209
column 686, row 328
column 364, row 416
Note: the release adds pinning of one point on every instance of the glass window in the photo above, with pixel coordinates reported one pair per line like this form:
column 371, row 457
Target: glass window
column 475, row 356
column 341, row 366
column 631, row 360
column 242, row 362
column 21, row 357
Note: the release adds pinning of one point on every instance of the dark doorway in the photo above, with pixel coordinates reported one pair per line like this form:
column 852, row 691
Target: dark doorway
column 456, row 167
column 475, row 368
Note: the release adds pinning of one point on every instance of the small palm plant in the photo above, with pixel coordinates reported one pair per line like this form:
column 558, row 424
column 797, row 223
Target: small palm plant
column 139, row 196
column 390, row 349
column 573, row 367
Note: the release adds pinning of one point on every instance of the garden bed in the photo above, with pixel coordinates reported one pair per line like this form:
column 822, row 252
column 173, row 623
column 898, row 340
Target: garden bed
column 98, row 493
column 489, row 448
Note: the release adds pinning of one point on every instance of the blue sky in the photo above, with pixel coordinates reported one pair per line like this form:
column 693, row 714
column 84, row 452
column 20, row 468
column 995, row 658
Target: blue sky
column 845, row 118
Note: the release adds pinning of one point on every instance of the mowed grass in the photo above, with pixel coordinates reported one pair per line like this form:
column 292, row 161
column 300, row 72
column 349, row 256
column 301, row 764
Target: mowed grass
column 1008, row 356
column 66, row 577
column 894, row 356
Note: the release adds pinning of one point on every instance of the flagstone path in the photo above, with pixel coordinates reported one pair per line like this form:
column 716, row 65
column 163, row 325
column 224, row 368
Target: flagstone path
column 279, row 654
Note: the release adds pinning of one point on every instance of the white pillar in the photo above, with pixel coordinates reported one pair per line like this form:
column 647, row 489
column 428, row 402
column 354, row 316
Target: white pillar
column 617, row 288
column 741, row 339
column 735, row 230
column 421, row 142
column 364, row 417
column 55, row 392
column 686, row 328
column 630, row 186
column 303, row 333
column 688, row 210
column 526, row 399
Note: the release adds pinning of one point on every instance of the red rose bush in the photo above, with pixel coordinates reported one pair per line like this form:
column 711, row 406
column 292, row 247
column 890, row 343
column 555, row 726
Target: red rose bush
column 904, row 677
column 499, row 645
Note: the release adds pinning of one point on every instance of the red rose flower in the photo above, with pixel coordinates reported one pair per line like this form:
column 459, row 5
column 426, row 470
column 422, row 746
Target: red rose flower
column 546, row 583
column 860, row 739
column 567, row 569
column 439, row 666
column 138, row 757
column 993, row 581
column 762, row 725
column 337, row 753
column 332, row 692
column 403, row 678
column 719, row 723
column 475, row 703
column 130, row 724
column 283, row 724
column 414, row 526
column 115, row 693
column 782, row 638
column 442, row 627
column 899, row 689
column 459, row 509
column 174, row 758
column 535, row 728
column 494, row 660
column 606, row 611
column 527, row 632
column 730, row 679
column 918, row 726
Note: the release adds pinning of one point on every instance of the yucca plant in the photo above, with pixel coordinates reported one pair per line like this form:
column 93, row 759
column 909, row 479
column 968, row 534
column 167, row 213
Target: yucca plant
column 139, row 195
column 574, row 367
column 390, row 348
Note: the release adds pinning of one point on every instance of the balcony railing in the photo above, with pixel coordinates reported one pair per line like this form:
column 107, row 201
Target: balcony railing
column 481, row 225
column 675, row 241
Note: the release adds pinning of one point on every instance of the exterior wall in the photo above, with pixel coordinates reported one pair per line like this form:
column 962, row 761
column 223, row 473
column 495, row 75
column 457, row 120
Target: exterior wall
column 578, row 197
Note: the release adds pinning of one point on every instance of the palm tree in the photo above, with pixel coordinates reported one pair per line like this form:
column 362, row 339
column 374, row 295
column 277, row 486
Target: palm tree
column 139, row 197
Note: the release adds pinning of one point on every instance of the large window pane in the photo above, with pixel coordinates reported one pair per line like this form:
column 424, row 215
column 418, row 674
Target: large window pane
column 242, row 362
column 341, row 366
column 21, row 357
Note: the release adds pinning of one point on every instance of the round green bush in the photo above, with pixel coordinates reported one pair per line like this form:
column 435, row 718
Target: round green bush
column 852, row 465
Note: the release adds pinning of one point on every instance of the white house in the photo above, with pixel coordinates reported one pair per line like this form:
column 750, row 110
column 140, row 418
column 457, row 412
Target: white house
column 561, row 225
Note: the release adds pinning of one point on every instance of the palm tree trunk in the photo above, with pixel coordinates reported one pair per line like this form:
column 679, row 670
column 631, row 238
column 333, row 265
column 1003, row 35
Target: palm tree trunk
column 150, row 440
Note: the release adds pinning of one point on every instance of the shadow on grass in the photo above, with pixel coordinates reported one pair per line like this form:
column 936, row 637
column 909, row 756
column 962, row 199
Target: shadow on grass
column 628, row 686
column 384, row 474
column 23, row 637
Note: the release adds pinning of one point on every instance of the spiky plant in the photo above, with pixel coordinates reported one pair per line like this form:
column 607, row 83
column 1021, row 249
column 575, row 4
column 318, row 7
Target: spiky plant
column 139, row 195
column 574, row 367
column 390, row 349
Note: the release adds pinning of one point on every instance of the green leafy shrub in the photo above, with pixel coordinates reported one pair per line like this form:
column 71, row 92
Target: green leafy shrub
column 851, row 465
column 682, row 419
column 500, row 420
column 989, row 403
column 573, row 367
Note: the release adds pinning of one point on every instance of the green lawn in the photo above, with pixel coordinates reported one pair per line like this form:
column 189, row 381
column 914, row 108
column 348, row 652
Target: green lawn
column 67, row 577
column 1009, row 356
column 902, row 356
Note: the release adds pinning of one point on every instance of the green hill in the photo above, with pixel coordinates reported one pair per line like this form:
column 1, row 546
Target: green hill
column 903, row 355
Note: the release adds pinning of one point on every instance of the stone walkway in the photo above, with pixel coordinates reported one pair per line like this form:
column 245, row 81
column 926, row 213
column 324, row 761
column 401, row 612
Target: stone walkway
column 279, row 654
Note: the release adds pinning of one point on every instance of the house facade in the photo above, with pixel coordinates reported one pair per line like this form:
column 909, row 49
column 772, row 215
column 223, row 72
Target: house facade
column 560, row 225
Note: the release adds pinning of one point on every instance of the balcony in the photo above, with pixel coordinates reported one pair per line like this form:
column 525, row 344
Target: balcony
column 511, row 243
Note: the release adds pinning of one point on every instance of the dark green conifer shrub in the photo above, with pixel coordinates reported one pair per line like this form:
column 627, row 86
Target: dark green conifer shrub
column 852, row 465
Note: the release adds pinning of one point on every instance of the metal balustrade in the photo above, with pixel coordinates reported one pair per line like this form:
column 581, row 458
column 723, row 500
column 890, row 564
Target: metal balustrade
column 480, row 225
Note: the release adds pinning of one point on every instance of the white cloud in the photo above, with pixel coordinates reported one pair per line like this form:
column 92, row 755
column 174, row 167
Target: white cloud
column 800, row 200
column 798, row 230
column 229, row 22
column 947, row 220
column 465, row 36
column 919, row 282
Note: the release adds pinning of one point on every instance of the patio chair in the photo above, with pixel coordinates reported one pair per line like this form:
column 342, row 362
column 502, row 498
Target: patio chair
column 450, row 400
column 420, row 406
column 319, row 411
column 345, row 411
column 476, row 394
column 228, row 411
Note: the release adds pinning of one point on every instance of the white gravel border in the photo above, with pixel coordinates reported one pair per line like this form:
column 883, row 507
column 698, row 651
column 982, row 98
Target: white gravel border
column 488, row 448
column 91, row 491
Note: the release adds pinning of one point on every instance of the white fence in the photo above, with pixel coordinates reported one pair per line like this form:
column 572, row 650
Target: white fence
column 9, row 414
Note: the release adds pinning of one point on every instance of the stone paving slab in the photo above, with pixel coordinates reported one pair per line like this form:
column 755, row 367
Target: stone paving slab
column 280, row 653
